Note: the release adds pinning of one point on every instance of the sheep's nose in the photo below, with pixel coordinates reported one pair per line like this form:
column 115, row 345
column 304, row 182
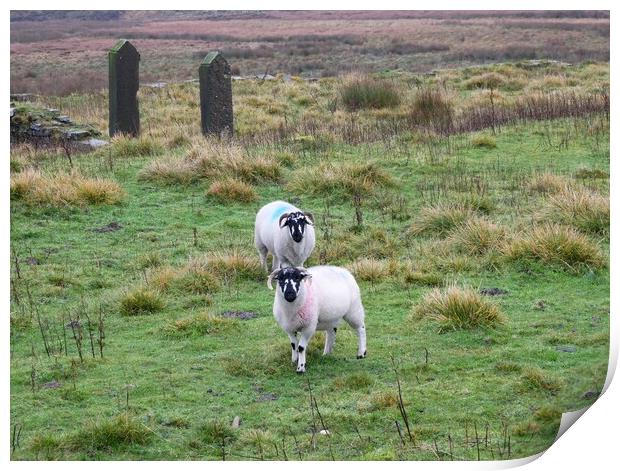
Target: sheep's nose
column 297, row 237
column 290, row 296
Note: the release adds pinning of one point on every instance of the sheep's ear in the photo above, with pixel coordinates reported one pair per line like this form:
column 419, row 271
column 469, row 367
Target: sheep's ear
column 309, row 218
column 308, row 278
column 274, row 274
column 283, row 218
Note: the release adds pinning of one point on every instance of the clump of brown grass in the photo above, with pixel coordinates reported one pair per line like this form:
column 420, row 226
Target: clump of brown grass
column 376, row 270
column 141, row 301
column 353, row 381
column 484, row 141
column 64, row 189
column 372, row 269
column 232, row 189
column 432, row 109
column 526, row 428
column 558, row 245
column 203, row 274
column 458, row 308
column 364, row 92
column 170, row 170
column 196, row 280
column 127, row 146
column 122, row 430
column 477, row 236
column 547, row 183
column 438, row 220
column 493, row 80
column 232, row 263
column 585, row 172
column 535, row 378
column 578, row 207
column 211, row 158
column 348, row 178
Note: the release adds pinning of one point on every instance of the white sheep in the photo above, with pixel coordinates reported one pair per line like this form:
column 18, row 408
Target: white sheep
column 285, row 232
column 317, row 298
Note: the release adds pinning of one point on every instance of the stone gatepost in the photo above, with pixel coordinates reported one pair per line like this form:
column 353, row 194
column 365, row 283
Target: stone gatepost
column 124, row 81
column 216, row 109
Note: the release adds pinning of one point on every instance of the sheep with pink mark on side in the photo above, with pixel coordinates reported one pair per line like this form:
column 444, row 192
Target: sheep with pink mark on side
column 317, row 298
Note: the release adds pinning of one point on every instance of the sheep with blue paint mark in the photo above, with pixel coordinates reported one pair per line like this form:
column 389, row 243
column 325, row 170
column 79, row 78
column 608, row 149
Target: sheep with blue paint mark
column 285, row 232
column 317, row 298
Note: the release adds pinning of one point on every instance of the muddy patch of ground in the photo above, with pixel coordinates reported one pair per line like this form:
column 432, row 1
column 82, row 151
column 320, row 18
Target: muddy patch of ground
column 243, row 315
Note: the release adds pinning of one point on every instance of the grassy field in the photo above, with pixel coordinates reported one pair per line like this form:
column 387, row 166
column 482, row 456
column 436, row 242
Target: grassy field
column 141, row 323
column 58, row 53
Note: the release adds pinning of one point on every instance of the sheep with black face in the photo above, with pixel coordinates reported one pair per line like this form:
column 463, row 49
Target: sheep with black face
column 285, row 232
column 317, row 298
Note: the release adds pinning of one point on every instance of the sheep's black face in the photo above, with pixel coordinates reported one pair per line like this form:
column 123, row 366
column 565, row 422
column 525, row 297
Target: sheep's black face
column 296, row 223
column 289, row 281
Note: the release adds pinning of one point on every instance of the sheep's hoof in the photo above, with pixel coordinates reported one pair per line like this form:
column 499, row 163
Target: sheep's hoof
column 359, row 357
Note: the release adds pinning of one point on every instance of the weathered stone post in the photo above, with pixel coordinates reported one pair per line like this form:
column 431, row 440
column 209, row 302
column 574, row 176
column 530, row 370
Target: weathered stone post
column 216, row 109
column 124, row 81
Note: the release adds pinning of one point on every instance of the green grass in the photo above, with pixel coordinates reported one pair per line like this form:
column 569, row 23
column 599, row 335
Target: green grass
column 363, row 92
column 180, row 371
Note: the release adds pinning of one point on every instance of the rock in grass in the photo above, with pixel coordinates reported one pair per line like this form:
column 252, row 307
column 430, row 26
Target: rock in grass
column 566, row 348
column 493, row 291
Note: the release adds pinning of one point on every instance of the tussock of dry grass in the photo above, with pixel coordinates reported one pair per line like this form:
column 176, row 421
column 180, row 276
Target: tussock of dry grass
column 484, row 141
column 127, row 146
column 232, row 189
column 585, row 172
column 438, row 220
column 578, row 207
column 377, row 270
column 493, row 80
column 348, row 178
column 458, row 308
column 432, row 109
column 211, row 158
column 547, row 183
column 204, row 274
column 535, row 378
column 231, row 263
column 477, row 236
column 365, row 92
column 558, row 245
column 371, row 269
column 64, row 189
column 122, row 430
column 140, row 301
column 190, row 278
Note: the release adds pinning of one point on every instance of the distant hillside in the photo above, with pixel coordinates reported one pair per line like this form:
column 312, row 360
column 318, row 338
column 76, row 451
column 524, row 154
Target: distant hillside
column 46, row 15
column 167, row 15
